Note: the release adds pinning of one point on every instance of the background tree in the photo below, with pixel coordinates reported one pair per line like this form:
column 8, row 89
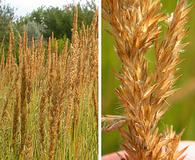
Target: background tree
column 6, row 18
column 59, row 20
column 43, row 21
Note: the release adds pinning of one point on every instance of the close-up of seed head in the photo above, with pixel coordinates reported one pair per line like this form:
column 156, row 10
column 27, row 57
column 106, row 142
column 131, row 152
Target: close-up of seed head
column 136, row 26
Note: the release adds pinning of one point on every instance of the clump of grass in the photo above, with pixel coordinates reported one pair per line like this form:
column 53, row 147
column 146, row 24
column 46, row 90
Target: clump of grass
column 136, row 27
column 48, row 97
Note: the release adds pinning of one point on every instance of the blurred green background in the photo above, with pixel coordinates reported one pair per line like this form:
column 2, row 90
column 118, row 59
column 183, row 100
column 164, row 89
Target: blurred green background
column 182, row 112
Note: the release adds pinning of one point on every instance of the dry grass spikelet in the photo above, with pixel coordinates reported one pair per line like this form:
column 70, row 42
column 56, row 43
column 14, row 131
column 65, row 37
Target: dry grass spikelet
column 42, row 117
column 16, row 113
column 57, row 98
column 23, row 106
column 136, row 28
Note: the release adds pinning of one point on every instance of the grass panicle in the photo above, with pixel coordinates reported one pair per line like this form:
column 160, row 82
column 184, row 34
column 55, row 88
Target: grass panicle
column 136, row 27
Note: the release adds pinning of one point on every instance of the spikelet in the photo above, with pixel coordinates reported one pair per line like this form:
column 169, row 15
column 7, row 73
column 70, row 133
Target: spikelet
column 23, row 106
column 15, row 119
column 136, row 28
column 42, row 120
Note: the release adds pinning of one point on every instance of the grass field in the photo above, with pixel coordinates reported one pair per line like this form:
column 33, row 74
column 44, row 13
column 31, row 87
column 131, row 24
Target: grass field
column 48, row 97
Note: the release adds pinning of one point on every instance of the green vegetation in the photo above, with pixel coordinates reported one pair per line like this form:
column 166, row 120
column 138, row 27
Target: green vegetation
column 44, row 21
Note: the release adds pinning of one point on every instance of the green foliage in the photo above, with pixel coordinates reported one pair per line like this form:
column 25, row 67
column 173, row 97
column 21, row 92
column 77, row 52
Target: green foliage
column 33, row 29
column 6, row 18
column 61, row 43
column 43, row 21
column 7, row 25
column 58, row 20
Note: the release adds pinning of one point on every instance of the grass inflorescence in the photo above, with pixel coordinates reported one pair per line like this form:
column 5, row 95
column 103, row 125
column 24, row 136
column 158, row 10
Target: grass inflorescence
column 137, row 27
column 48, row 97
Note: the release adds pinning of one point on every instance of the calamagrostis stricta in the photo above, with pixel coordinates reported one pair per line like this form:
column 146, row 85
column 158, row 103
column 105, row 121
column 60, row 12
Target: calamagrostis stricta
column 48, row 92
column 136, row 28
